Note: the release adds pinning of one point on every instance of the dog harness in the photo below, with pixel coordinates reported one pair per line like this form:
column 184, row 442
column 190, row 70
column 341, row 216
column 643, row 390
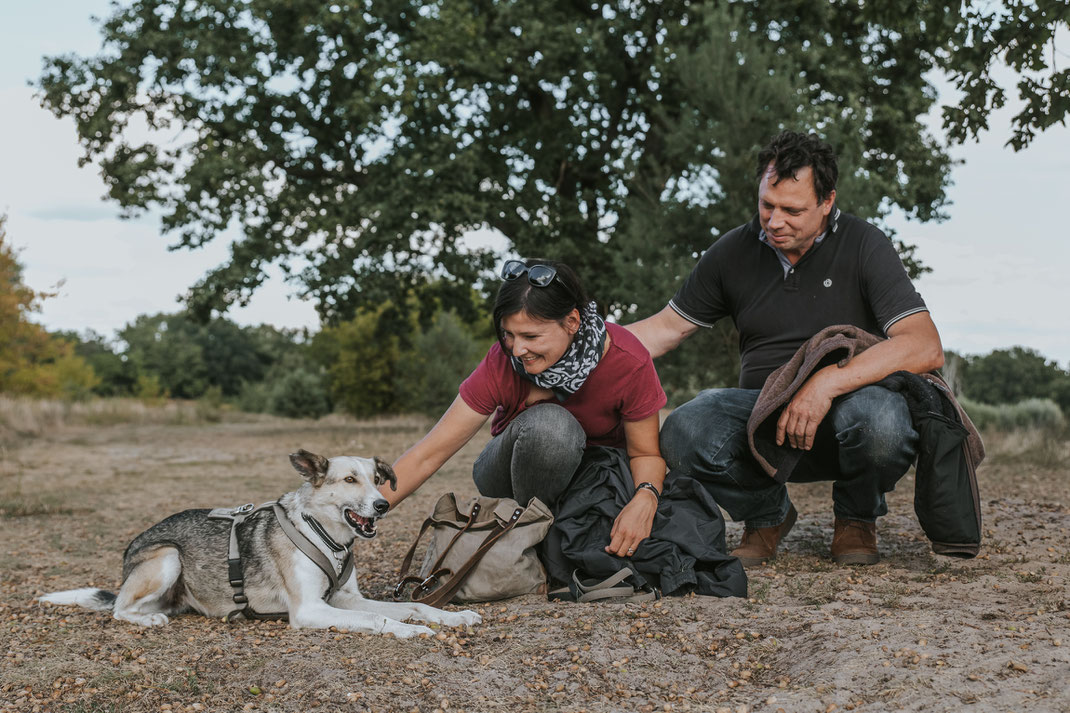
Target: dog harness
column 235, row 571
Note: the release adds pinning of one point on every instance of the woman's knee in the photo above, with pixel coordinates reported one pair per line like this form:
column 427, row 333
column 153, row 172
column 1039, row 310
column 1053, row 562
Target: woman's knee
column 549, row 426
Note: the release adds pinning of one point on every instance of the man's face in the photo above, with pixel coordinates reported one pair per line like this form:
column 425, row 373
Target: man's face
column 789, row 212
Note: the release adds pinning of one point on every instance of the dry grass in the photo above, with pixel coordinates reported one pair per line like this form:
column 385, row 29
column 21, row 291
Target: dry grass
column 28, row 418
column 915, row 632
column 1044, row 447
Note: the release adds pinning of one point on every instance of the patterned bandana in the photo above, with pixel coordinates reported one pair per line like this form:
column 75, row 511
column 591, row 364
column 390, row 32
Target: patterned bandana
column 567, row 375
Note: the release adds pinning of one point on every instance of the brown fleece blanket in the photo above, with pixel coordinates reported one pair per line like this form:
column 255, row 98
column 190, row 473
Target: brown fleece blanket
column 833, row 345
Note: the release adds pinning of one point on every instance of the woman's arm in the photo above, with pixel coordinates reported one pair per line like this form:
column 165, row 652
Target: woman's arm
column 453, row 430
column 633, row 524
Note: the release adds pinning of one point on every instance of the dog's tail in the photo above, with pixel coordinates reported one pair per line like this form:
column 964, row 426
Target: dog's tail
column 90, row 598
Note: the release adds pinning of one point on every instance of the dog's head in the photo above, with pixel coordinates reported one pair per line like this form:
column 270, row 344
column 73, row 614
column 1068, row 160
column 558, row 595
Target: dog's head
column 345, row 488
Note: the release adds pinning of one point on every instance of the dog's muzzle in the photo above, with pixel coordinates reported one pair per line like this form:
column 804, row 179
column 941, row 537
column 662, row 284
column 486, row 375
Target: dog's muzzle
column 365, row 526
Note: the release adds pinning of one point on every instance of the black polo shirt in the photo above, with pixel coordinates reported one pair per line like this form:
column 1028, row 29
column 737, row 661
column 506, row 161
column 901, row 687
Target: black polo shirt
column 853, row 276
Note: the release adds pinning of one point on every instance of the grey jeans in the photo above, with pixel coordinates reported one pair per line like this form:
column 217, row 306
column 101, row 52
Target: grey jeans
column 535, row 456
column 865, row 444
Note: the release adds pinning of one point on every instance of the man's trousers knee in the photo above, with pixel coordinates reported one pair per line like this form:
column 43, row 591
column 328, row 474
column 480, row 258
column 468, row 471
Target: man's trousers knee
column 865, row 444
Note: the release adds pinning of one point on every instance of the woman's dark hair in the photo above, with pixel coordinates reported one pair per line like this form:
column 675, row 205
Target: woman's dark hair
column 790, row 151
column 552, row 303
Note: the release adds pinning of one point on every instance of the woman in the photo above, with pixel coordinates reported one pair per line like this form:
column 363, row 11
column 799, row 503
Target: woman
column 558, row 380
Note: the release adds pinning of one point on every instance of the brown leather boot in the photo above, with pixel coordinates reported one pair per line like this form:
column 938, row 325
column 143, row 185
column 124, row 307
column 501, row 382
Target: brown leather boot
column 855, row 542
column 759, row 544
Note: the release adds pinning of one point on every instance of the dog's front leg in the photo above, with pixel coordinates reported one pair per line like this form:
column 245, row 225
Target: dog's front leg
column 307, row 609
column 349, row 597
column 319, row 615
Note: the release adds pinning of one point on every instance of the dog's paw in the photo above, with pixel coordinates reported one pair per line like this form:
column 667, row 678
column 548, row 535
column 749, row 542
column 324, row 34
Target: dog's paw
column 143, row 619
column 156, row 620
column 465, row 617
column 406, row 631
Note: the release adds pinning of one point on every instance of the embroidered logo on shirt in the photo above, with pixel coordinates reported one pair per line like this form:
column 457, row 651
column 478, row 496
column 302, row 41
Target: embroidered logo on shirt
column 827, row 282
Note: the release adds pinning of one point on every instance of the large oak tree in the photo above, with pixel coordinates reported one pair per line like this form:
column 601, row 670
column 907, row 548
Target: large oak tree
column 354, row 143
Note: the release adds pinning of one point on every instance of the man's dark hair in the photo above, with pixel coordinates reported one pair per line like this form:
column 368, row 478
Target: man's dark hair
column 552, row 303
column 790, row 151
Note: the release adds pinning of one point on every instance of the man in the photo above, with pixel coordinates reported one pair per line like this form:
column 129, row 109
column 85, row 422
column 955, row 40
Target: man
column 797, row 267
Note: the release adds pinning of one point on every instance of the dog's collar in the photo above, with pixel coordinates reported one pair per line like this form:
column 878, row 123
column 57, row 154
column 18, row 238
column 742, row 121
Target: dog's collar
column 319, row 530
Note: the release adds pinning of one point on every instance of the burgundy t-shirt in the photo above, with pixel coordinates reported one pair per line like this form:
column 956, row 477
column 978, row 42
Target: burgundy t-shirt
column 623, row 387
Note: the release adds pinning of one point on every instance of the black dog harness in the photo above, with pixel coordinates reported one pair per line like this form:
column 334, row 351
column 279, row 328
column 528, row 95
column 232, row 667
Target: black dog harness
column 236, row 574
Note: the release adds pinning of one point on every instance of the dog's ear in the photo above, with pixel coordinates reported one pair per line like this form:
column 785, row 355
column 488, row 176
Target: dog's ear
column 384, row 471
column 311, row 466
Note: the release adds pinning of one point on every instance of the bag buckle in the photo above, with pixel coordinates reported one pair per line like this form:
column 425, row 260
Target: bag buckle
column 400, row 588
column 426, row 586
column 423, row 585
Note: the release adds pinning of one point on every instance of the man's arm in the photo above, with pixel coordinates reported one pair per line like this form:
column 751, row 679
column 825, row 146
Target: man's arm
column 663, row 331
column 913, row 345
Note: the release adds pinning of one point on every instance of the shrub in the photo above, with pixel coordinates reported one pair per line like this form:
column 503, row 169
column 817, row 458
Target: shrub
column 32, row 361
column 1028, row 414
column 299, row 393
column 210, row 405
column 254, row 397
column 149, row 390
column 360, row 363
column 440, row 358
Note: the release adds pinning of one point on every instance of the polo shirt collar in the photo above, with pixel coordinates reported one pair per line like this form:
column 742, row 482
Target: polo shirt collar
column 834, row 221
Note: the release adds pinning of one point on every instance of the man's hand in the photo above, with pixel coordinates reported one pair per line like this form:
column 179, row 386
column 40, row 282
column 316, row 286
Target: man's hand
column 799, row 421
column 633, row 524
column 913, row 345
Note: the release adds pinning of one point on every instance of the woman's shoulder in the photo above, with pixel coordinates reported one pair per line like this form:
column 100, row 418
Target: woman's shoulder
column 497, row 361
column 492, row 383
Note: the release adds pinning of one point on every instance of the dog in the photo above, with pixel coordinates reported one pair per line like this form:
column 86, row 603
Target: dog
column 181, row 564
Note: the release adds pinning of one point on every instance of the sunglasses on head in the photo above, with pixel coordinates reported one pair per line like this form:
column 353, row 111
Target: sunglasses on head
column 538, row 275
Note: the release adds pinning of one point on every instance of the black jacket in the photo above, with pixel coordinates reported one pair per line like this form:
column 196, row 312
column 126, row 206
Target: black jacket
column 686, row 548
column 946, row 498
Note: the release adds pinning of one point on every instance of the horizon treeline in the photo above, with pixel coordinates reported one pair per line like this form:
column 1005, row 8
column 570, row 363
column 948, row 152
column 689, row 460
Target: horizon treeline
column 375, row 364
column 386, row 359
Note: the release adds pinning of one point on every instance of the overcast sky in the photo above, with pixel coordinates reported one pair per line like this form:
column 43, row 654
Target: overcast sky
column 999, row 262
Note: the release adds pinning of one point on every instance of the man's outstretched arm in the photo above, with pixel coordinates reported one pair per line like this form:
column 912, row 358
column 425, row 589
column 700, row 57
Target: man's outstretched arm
column 913, row 345
column 662, row 332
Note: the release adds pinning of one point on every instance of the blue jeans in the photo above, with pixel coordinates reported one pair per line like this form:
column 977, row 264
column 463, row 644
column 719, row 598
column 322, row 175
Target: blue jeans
column 535, row 456
column 865, row 444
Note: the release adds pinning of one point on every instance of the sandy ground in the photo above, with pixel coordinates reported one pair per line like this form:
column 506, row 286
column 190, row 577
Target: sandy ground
column 917, row 632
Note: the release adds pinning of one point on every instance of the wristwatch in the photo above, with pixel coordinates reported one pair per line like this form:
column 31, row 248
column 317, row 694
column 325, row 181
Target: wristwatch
column 650, row 487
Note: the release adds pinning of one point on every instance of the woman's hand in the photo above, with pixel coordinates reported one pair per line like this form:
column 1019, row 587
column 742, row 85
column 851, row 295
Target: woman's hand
column 632, row 525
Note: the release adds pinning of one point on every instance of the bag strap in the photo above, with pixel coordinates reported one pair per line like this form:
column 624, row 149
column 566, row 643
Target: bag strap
column 406, row 562
column 436, row 598
column 611, row 587
column 472, row 514
column 592, row 591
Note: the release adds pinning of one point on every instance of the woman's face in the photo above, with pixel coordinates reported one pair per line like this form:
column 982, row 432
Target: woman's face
column 538, row 343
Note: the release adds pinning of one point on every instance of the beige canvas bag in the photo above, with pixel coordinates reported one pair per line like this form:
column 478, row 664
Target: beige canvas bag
column 480, row 551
